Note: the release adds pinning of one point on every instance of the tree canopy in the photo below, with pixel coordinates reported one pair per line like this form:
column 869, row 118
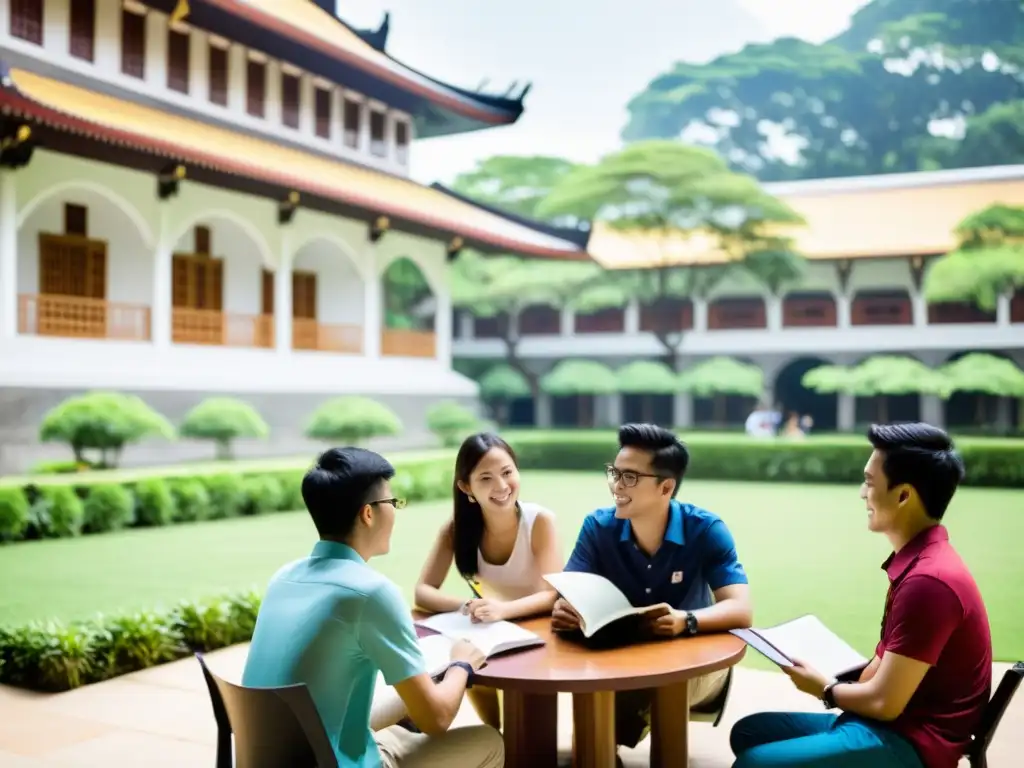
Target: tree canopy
column 513, row 183
column 983, row 373
column 579, row 377
column 723, row 376
column 646, row 377
column 503, row 382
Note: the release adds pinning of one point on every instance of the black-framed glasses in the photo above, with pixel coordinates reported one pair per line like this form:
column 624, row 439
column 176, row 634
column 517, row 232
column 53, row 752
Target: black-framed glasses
column 396, row 503
column 628, row 477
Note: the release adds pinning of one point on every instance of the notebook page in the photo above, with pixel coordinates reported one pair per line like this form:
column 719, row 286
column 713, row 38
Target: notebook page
column 811, row 641
column 485, row 636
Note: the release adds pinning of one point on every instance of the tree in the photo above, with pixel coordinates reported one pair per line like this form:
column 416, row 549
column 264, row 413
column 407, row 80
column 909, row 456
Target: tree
column 879, row 377
column 222, row 420
column 352, row 420
column 501, row 384
column 104, row 422
column 983, row 374
column 988, row 263
column 513, row 183
column 911, row 85
column 720, row 376
column 673, row 193
column 451, row 422
column 576, row 378
column 646, row 378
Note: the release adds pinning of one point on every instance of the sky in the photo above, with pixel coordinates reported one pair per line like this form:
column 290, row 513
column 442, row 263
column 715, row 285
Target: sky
column 585, row 58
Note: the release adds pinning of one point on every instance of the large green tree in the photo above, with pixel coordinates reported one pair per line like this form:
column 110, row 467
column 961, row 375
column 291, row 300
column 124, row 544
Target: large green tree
column 910, row 85
column 513, row 183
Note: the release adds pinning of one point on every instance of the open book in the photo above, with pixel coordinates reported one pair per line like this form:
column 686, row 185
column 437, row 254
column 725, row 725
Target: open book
column 597, row 601
column 808, row 640
column 491, row 638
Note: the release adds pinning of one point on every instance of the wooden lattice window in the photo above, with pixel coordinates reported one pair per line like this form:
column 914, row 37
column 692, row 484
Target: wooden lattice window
column 268, row 292
column 256, row 88
column 76, row 220
column 203, row 242
column 72, row 265
column 177, row 60
column 378, row 146
column 133, row 44
column 83, row 29
column 304, row 295
column 290, row 100
column 197, row 282
column 323, row 113
column 351, row 120
column 27, row 20
column 402, row 142
column 218, row 75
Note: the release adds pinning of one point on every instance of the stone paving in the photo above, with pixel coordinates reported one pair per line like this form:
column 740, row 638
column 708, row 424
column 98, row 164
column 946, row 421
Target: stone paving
column 161, row 718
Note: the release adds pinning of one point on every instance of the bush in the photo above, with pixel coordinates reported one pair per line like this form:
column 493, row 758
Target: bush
column 156, row 504
column 192, row 500
column 57, row 512
column 263, row 494
column 108, row 508
column 825, row 459
column 351, row 420
column 222, row 420
column 227, row 495
column 14, row 513
column 53, row 656
column 451, row 422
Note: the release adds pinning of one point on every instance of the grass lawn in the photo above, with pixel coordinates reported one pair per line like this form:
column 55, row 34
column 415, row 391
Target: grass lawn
column 805, row 547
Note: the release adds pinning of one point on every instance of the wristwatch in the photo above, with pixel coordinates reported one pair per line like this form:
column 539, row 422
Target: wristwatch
column 828, row 695
column 690, row 627
column 470, row 674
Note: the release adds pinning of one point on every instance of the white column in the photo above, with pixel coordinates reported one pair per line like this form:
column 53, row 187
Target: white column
column 274, row 105
column 466, row 330
column 156, row 51
column 283, row 298
column 773, row 309
column 700, row 315
column 8, row 255
column 610, row 414
column 307, row 106
column 199, row 65
column 56, row 28
column 1003, row 308
column 842, row 310
column 443, row 327
column 682, row 410
column 373, row 295
column 568, row 324
column 237, row 65
column 161, row 311
column 847, row 416
column 632, row 317
column 108, row 35
column 542, row 411
column 920, row 308
column 932, row 411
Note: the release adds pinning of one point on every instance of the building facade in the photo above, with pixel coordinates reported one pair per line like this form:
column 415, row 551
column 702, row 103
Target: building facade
column 215, row 205
column 868, row 241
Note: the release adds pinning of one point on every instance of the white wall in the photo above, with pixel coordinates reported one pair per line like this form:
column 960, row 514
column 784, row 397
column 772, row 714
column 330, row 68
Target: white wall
column 339, row 284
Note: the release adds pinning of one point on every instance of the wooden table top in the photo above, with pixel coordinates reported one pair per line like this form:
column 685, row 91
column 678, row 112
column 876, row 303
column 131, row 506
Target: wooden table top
column 566, row 666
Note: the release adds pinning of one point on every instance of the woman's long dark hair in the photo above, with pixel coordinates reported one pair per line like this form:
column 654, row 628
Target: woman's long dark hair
column 468, row 520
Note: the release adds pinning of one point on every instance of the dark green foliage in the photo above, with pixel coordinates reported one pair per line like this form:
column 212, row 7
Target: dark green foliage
column 156, row 504
column 108, row 507
column 14, row 513
column 227, row 495
column 191, row 499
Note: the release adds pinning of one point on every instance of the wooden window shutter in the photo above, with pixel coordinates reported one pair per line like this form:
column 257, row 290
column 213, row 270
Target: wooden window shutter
column 83, row 29
column 76, row 220
column 351, row 119
column 255, row 88
column 218, row 75
column 290, row 100
column 268, row 292
column 181, row 282
column 304, row 295
column 323, row 113
column 215, row 295
column 133, row 44
column 177, row 60
column 27, row 20
column 203, row 242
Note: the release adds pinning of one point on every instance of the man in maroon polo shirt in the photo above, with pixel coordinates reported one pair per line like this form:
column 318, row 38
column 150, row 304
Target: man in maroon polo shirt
column 919, row 699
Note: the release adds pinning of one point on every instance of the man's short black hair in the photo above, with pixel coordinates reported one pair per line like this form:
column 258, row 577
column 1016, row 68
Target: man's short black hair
column 923, row 457
column 669, row 456
column 339, row 485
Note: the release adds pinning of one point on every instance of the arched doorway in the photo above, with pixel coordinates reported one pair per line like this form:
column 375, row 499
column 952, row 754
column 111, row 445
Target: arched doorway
column 792, row 396
column 327, row 298
column 408, row 311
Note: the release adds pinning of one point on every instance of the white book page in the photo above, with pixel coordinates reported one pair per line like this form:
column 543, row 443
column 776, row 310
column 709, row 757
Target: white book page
column 387, row 707
column 595, row 599
column 490, row 638
column 809, row 640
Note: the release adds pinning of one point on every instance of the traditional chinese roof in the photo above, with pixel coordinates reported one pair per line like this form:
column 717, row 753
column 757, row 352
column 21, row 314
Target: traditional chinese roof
column 85, row 122
column 890, row 215
column 303, row 33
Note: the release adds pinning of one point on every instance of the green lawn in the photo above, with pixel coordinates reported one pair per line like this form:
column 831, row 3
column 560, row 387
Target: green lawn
column 805, row 547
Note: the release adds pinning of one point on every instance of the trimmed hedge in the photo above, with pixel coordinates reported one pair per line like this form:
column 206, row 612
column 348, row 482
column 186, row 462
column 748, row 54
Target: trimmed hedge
column 826, row 459
column 97, row 505
column 53, row 656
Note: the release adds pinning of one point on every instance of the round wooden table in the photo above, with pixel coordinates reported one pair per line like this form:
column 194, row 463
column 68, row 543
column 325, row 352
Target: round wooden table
column 532, row 679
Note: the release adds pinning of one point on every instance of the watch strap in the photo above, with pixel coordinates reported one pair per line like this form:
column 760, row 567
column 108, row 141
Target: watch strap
column 828, row 696
column 470, row 673
column 691, row 624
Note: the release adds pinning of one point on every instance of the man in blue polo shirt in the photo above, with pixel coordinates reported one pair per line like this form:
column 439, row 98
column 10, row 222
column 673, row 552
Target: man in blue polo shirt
column 659, row 550
column 332, row 622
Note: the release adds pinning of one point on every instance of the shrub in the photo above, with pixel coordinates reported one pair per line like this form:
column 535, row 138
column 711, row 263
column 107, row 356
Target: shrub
column 222, row 420
column 351, row 420
column 227, row 495
column 451, row 422
column 263, row 494
column 155, row 503
column 102, row 421
column 14, row 513
column 191, row 499
column 108, row 507
column 57, row 512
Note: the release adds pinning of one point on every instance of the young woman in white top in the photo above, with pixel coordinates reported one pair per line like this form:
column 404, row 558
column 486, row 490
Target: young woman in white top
column 503, row 545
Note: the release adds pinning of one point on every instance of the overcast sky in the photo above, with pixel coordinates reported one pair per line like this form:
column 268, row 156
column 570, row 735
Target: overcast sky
column 585, row 58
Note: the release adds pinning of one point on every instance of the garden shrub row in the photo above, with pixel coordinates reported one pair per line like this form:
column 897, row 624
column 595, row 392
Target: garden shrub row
column 54, row 656
column 825, row 459
column 60, row 509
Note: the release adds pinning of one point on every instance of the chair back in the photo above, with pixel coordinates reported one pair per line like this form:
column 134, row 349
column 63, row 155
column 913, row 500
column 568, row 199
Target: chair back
column 977, row 754
column 273, row 727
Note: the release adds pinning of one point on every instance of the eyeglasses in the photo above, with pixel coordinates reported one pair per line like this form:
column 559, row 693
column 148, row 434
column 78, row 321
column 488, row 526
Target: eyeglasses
column 396, row 503
column 629, row 478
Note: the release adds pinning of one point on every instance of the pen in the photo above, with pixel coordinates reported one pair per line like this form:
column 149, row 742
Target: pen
column 472, row 586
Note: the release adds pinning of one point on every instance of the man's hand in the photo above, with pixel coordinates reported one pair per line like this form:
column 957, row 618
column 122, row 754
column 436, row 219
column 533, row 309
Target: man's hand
column 484, row 610
column 666, row 623
column 463, row 650
column 564, row 617
column 806, row 678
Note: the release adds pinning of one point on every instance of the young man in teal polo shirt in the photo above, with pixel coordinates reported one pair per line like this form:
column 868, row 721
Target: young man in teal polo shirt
column 332, row 622
column 659, row 550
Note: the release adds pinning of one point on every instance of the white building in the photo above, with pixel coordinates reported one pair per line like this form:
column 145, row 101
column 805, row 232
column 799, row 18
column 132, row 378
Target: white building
column 869, row 242
column 211, row 205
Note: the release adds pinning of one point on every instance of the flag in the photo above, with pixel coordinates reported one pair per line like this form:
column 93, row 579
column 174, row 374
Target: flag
column 180, row 11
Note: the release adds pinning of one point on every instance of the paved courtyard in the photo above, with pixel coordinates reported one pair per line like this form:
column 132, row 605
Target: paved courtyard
column 162, row 717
